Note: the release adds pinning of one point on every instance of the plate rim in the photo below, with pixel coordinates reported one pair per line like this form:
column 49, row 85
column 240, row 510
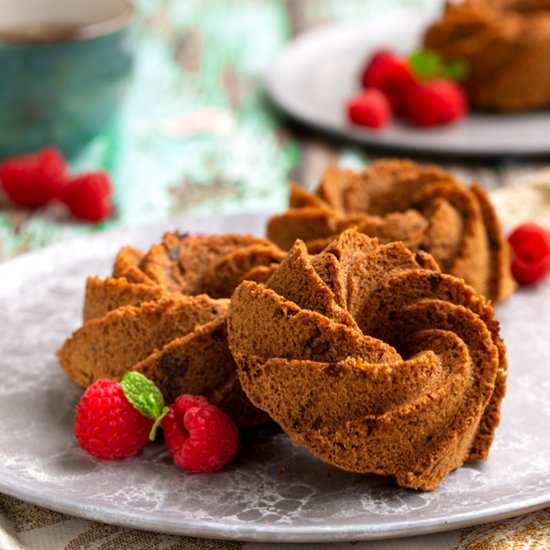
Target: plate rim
column 269, row 534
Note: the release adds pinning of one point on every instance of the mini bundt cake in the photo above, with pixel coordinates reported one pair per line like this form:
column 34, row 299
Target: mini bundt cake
column 505, row 44
column 373, row 359
column 397, row 200
column 163, row 313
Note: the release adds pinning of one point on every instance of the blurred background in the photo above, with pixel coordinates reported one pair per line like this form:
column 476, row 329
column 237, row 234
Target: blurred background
column 195, row 132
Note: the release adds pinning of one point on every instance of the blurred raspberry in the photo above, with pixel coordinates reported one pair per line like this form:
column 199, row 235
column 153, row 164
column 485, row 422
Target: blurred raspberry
column 370, row 108
column 390, row 74
column 436, row 102
column 32, row 180
column 89, row 196
column 530, row 253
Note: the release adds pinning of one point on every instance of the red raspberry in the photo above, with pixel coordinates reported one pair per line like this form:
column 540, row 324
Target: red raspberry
column 107, row 425
column 89, row 196
column 436, row 102
column 370, row 108
column 376, row 57
column 390, row 74
column 33, row 180
column 530, row 253
column 200, row 437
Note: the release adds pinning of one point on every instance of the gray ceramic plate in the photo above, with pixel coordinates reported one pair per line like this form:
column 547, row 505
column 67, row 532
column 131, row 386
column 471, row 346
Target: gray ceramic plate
column 275, row 491
column 314, row 75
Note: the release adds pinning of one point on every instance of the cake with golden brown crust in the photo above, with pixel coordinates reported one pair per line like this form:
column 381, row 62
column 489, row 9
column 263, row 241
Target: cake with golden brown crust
column 505, row 44
column 397, row 200
column 163, row 313
column 372, row 359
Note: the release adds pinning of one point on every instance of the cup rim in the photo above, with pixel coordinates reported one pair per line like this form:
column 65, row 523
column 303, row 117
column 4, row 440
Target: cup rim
column 84, row 31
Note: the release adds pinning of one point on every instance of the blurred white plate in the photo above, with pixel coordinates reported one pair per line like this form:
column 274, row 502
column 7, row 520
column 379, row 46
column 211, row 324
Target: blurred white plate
column 314, row 75
column 275, row 491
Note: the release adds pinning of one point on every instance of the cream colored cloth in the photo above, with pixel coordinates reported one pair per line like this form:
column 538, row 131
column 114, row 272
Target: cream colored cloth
column 27, row 527
column 527, row 199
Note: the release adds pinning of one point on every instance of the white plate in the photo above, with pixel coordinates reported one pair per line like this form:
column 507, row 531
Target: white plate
column 313, row 76
column 275, row 491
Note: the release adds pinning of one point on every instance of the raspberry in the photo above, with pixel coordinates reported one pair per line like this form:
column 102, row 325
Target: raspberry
column 390, row 74
column 435, row 102
column 376, row 57
column 107, row 426
column 89, row 196
column 530, row 253
column 33, row 180
column 199, row 436
column 370, row 108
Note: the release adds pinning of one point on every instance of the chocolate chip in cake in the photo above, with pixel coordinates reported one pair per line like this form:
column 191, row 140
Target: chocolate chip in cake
column 435, row 279
column 173, row 367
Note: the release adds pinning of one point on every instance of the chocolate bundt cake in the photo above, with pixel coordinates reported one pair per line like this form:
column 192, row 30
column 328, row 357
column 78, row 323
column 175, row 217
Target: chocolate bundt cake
column 397, row 200
column 505, row 44
column 371, row 358
column 163, row 313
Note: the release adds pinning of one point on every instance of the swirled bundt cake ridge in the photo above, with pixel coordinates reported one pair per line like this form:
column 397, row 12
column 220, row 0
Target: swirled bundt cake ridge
column 212, row 264
column 163, row 313
column 396, row 200
column 372, row 359
column 104, row 295
column 505, row 46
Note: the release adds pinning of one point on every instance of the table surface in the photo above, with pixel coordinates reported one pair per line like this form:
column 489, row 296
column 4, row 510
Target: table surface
column 207, row 60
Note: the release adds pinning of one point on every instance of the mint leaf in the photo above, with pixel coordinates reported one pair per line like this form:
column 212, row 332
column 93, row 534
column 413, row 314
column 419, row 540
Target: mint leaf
column 428, row 64
column 142, row 394
column 457, row 70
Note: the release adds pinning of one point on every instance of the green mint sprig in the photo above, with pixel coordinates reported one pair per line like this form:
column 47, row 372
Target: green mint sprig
column 428, row 64
column 145, row 397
